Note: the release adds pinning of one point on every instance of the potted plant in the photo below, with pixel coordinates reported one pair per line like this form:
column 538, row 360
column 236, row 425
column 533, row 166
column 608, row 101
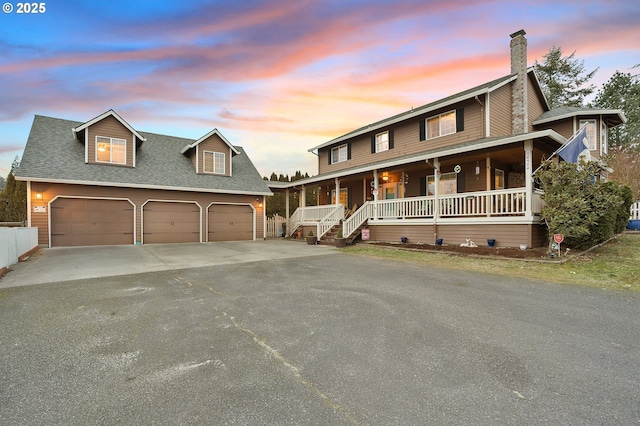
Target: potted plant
column 340, row 241
column 311, row 240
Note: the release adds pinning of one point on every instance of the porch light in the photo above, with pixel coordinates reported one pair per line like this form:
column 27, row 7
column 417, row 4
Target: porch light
column 385, row 177
column 38, row 195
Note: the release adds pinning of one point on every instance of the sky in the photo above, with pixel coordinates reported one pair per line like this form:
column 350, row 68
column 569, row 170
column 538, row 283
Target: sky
column 279, row 77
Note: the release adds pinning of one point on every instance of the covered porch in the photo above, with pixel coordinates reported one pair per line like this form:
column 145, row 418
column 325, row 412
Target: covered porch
column 460, row 195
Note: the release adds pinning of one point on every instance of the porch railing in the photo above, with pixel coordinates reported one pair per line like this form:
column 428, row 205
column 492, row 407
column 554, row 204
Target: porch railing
column 330, row 220
column 484, row 203
column 356, row 219
column 310, row 214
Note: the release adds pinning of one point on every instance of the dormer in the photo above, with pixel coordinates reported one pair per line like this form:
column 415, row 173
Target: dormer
column 211, row 154
column 109, row 140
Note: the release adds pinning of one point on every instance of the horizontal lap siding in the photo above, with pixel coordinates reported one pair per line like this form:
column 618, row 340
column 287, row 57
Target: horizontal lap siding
column 535, row 104
column 505, row 235
column 110, row 127
column 138, row 197
column 500, row 111
column 407, row 141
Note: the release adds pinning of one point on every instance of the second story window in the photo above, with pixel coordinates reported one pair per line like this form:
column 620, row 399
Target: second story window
column 441, row 125
column 591, row 133
column 111, row 150
column 214, row 162
column 382, row 142
column 339, row 154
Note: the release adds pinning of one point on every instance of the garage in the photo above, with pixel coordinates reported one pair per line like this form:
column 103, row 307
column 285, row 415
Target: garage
column 230, row 222
column 87, row 222
column 170, row 222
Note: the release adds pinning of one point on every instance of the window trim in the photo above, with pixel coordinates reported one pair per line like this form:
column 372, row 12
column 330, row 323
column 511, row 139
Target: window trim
column 499, row 178
column 339, row 150
column 213, row 163
column 428, row 135
column 593, row 144
column 110, row 141
column 443, row 181
column 378, row 144
column 604, row 138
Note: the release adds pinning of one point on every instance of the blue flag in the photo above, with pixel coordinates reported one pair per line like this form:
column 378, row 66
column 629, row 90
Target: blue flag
column 576, row 147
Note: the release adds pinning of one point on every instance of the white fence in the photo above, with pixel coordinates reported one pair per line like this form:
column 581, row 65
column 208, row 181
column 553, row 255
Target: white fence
column 276, row 226
column 635, row 211
column 14, row 242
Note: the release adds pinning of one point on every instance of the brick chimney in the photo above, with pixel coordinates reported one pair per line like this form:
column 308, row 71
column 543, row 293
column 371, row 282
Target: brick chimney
column 519, row 115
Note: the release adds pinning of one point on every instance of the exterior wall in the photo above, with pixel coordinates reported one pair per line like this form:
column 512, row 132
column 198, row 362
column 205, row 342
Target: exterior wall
column 500, row 111
column 138, row 197
column 406, row 139
column 506, row 235
column 213, row 144
column 535, row 104
column 110, row 127
column 564, row 127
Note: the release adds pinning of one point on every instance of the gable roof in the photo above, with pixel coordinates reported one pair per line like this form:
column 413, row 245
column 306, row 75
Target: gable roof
column 615, row 116
column 104, row 115
column 414, row 112
column 208, row 135
column 53, row 154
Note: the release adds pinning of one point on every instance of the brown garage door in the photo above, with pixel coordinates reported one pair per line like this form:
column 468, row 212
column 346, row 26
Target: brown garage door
column 229, row 222
column 85, row 222
column 167, row 222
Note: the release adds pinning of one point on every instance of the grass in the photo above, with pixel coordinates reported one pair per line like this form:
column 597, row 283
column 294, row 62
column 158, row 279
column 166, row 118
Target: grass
column 615, row 265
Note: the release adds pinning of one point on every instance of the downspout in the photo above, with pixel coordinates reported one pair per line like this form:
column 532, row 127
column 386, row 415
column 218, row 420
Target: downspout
column 482, row 115
column 436, row 193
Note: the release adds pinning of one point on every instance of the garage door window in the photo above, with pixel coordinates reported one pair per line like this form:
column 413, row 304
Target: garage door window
column 214, row 162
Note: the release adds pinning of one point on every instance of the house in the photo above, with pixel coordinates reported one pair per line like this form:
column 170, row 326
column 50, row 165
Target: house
column 455, row 169
column 104, row 182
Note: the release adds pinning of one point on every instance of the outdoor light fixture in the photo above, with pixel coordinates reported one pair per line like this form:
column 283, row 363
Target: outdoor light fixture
column 38, row 195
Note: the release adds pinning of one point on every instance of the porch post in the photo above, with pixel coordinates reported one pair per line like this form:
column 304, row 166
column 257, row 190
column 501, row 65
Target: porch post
column 436, row 189
column 303, row 197
column 488, row 199
column 528, row 171
column 375, row 186
column 286, row 203
column 337, row 200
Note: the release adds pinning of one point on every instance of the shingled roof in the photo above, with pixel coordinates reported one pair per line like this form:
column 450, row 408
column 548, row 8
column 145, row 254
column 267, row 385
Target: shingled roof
column 53, row 154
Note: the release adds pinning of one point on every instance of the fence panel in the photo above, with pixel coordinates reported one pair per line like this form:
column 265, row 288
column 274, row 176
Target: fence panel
column 14, row 242
column 276, row 226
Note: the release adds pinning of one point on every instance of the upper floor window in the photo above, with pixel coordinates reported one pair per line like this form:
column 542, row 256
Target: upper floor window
column 214, row 162
column 604, row 143
column 591, row 133
column 382, row 142
column 111, row 150
column 339, row 154
column 441, row 125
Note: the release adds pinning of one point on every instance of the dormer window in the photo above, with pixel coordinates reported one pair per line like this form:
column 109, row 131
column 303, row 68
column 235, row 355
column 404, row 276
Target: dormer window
column 111, row 150
column 214, row 162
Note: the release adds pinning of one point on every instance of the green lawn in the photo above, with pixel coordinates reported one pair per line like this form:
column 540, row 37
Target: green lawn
column 616, row 265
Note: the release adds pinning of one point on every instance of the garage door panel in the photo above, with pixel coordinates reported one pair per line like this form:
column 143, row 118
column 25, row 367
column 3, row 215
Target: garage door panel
column 228, row 222
column 80, row 221
column 171, row 222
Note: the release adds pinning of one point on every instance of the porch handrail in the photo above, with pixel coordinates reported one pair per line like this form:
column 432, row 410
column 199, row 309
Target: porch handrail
column 330, row 220
column 402, row 208
column 480, row 203
column 309, row 214
column 360, row 216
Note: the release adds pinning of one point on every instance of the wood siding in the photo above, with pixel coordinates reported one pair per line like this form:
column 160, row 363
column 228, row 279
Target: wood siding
column 138, row 197
column 500, row 111
column 535, row 104
column 214, row 144
column 110, row 127
column 505, row 235
column 407, row 141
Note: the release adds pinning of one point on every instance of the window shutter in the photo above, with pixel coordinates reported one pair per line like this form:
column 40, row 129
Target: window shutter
column 330, row 154
column 349, row 151
column 373, row 144
column 459, row 119
column 390, row 139
column 423, row 130
column 460, row 182
column 423, row 186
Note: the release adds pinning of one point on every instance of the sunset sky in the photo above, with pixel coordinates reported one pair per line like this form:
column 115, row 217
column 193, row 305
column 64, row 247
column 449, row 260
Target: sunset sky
column 279, row 77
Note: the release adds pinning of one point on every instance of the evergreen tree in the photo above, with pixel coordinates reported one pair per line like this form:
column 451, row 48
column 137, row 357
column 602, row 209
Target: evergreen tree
column 564, row 79
column 13, row 203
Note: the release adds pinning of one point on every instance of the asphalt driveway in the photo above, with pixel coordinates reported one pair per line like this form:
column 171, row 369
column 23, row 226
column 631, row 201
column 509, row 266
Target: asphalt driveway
column 319, row 338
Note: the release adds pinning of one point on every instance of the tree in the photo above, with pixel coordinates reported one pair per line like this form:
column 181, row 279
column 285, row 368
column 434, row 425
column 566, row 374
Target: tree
column 625, row 162
column 563, row 79
column 580, row 206
column 622, row 91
